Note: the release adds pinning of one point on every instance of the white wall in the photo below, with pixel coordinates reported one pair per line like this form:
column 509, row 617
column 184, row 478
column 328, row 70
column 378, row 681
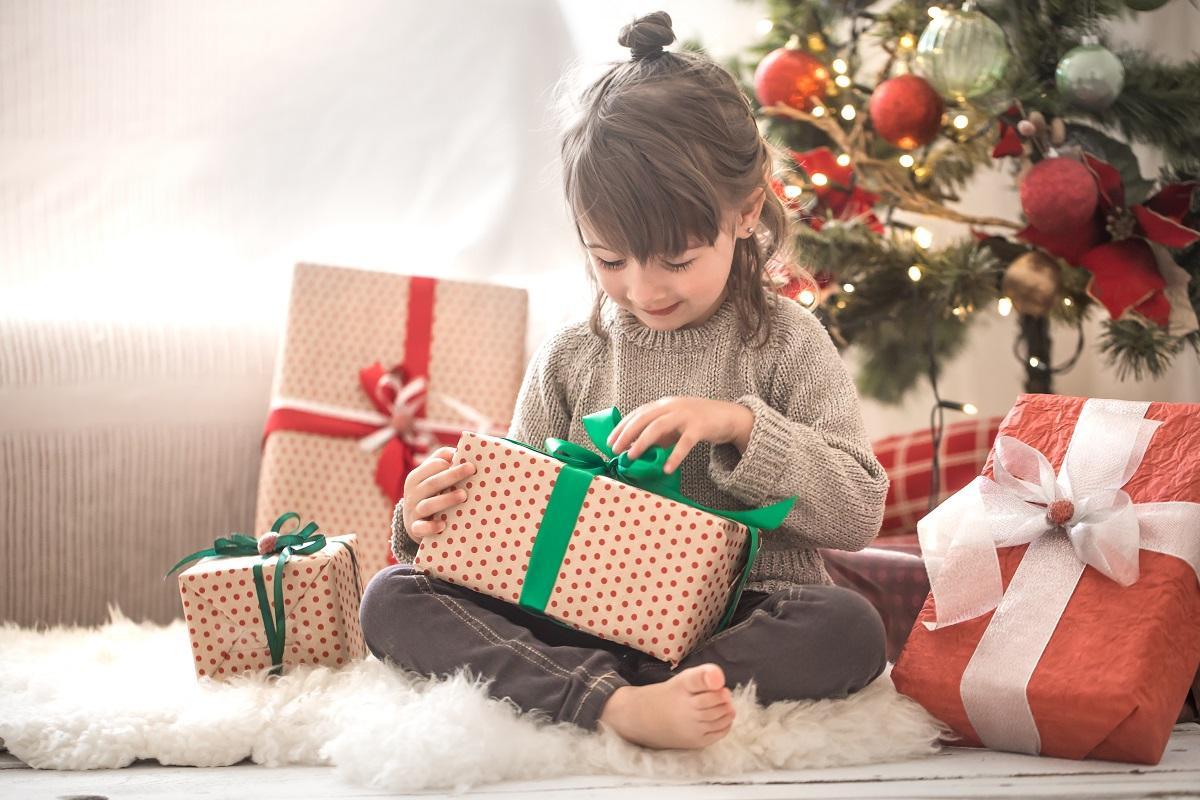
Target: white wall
column 166, row 162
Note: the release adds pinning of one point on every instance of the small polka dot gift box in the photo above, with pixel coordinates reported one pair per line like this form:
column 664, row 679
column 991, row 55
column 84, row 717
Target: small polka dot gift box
column 599, row 543
column 375, row 371
column 262, row 606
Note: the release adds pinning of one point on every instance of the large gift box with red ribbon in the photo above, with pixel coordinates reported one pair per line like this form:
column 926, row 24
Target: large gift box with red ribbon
column 1064, row 613
column 600, row 543
column 263, row 606
column 377, row 370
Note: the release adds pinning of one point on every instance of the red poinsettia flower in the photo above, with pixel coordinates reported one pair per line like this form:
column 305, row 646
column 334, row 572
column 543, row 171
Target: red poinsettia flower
column 1115, row 245
column 839, row 197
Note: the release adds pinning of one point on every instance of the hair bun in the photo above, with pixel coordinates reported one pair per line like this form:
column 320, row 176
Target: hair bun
column 647, row 36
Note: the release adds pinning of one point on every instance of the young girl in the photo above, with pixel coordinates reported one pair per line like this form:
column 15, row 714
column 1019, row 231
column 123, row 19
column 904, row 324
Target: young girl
column 666, row 175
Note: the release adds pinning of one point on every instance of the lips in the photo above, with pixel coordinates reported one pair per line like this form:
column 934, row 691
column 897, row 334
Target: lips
column 662, row 312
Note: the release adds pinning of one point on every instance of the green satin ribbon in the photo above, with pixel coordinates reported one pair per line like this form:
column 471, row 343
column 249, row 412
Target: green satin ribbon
column 304, row 542
column 581, row 466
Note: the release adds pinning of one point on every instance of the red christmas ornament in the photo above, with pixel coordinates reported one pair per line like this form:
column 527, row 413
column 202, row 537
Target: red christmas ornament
column 792, row 77
column 906, row 111
column 839, row 197
column 1059, row 194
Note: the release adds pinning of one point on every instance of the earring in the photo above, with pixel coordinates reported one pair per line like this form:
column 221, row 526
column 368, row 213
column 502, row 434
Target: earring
column 749, row 229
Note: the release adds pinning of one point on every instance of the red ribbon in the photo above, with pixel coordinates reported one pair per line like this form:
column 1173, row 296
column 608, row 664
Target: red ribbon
column 397, row 457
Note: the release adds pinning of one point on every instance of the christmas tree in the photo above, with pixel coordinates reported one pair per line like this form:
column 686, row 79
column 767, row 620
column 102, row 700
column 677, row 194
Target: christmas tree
column 897, row 109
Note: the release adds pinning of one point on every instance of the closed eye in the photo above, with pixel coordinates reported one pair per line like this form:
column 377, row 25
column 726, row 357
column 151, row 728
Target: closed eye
column 610, row 264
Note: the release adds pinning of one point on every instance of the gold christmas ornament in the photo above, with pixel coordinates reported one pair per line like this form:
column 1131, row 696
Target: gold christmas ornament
column 1032, row 282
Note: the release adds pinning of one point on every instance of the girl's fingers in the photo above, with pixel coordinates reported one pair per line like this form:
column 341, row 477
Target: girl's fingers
column 444, row 479
column 424, row 509
column 684, row 446
column 437, row 461
column 425, row 527
column 657, row 432
column 632, row 426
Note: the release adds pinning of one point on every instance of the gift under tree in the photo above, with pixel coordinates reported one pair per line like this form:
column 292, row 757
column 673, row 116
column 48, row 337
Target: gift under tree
column 1065, row 584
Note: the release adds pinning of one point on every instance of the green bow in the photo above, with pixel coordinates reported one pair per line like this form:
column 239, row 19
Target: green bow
column 645, row 472
column 300, row 543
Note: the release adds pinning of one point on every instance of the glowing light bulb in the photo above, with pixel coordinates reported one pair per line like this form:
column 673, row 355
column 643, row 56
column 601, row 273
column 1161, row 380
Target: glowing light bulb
column 1004, row 306
column 907, row 161
column 923, row 237
column 791, row 191
column 819, row 111
column 842, row 81
column 1035, row 362
column 820, row 179
column 914, row 273
column 961, row 121
column 840, row 65
column 848, row 112
column 969, row 408
column 907, row 41
column 843, row 160
column 807, row 298
column 764, row 26
column 848, row 288
column 1068, row 302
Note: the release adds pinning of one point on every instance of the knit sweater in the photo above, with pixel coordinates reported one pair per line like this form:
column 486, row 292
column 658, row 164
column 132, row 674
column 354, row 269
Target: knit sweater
column 807, row 438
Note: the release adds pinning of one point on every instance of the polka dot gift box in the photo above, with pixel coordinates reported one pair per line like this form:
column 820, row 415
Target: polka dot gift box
column 376, row 370
column 263, row 606
column 599, row 543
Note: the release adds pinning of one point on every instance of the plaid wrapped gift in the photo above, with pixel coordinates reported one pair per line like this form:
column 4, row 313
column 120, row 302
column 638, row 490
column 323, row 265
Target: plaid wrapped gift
column 908, row 460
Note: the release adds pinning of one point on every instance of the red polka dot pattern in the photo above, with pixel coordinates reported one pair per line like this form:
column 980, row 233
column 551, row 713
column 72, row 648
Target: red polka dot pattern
column 341, row 320
column 640, row 569
column 220, row 606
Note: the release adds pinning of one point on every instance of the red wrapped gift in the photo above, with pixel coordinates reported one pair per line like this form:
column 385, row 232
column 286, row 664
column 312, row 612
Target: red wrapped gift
column 1065, row 584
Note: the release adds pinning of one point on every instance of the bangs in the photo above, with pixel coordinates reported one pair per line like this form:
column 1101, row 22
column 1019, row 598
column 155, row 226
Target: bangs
column 640, row 200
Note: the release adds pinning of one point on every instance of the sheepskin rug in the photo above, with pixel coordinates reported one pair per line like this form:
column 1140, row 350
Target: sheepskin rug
column 104, row 697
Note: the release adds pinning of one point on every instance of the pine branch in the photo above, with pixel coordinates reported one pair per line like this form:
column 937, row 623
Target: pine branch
column 1136, row 349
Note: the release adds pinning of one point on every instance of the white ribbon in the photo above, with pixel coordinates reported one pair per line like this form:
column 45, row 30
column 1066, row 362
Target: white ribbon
column 1079, row 517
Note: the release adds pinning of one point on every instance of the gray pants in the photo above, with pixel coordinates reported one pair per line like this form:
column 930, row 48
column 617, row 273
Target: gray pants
column 811, row 641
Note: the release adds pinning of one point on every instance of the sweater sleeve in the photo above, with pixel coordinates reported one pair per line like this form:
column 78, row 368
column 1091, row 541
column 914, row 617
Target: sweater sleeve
column 808, row 440
column 541, row 411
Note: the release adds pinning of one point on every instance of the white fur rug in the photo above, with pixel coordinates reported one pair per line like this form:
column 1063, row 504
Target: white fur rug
column 101, row 698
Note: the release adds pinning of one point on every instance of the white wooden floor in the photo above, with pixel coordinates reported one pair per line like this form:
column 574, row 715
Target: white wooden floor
column 952, row 773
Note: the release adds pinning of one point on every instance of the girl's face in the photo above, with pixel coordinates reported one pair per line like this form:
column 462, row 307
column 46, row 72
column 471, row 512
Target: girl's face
column 668, row 292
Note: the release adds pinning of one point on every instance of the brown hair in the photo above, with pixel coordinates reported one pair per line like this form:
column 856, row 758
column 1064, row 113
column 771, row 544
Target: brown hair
column 664, row 146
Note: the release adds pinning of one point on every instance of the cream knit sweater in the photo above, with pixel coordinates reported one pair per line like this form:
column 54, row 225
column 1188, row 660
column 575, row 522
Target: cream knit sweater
column 807, row 439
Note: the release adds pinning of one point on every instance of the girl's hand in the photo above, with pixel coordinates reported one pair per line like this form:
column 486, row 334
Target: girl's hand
column 682, row 421
column 430, row 489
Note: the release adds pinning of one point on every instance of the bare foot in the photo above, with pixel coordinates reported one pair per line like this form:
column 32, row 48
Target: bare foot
column 691, row 710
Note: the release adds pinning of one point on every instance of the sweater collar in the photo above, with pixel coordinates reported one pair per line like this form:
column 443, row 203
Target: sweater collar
column 625, row 325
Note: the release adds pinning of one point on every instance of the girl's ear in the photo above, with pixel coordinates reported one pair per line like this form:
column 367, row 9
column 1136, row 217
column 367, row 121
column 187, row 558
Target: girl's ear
column 750, row 211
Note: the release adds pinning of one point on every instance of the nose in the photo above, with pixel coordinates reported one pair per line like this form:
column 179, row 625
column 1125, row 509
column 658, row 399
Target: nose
column 646, row 289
